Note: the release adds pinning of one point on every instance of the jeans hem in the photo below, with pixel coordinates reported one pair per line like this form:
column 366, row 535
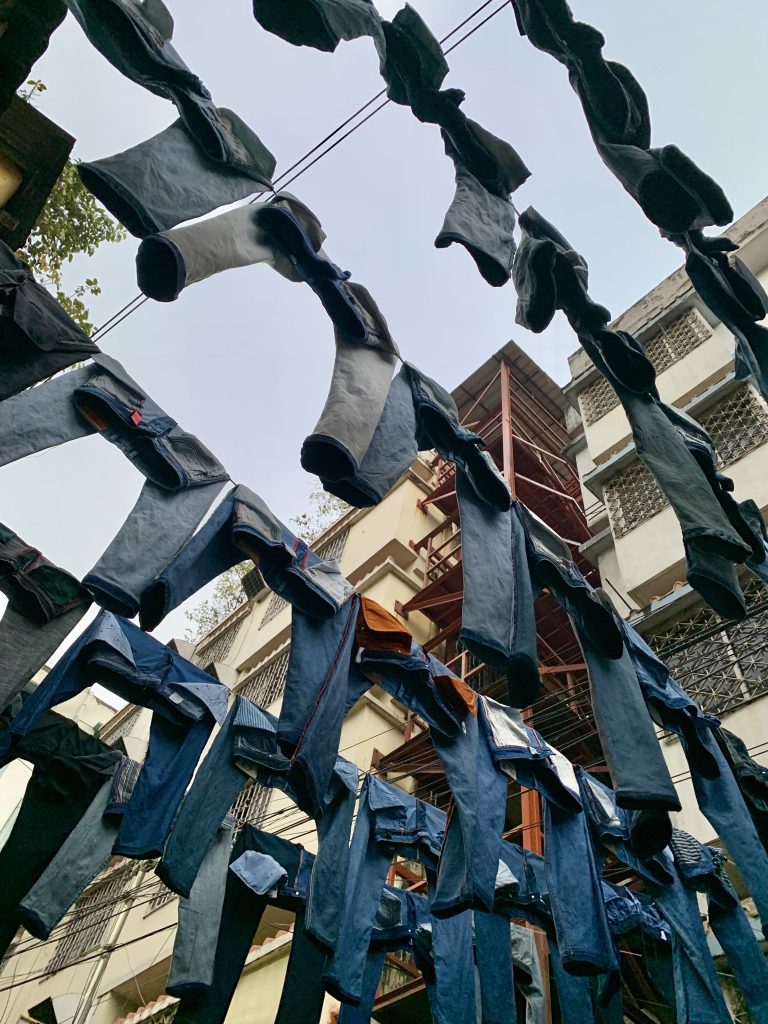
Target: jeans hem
column 108, row 596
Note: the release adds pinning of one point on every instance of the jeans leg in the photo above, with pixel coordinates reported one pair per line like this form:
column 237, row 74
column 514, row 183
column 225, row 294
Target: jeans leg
column 362, row 1014
column 573, row 994
column 240, row 917
column 470, row 856
column 575, row 894
column 734, row 933
column 524, row 952
column 86, row 851
column 171, row 759
column 454, row 969
column 494, row 966
column 157, row 527
column 197, row 935
column 25, row 647
column 329, row 873
column 366, row 877
column 632, row 750
column 302, row 998
column 42, row 418
column 723, row 806
column 215, row 789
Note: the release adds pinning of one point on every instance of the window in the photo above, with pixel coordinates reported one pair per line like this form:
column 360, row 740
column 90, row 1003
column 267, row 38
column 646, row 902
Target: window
column 125, row 727
column 333, row 548
column 251, row 806
column 219, row 647
column 737, row 424
column 664, row 348
column 720, row 665
column 89, row 919
column 161, row 896
column 268, row 683
column 275, row 606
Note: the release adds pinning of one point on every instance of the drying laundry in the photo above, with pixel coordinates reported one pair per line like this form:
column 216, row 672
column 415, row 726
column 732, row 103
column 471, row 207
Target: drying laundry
column 37, row 338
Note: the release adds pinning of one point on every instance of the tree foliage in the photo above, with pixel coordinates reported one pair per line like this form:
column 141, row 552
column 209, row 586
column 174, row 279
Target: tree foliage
column 70, row 224
column 228, row 592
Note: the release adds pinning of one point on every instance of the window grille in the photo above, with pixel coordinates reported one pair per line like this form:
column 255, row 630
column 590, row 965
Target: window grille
column 677, row 339
column 219, row 647
column 162, row 896
column 268, row 683
column 89, row 919
column 721, row 665
column 632, row 496
column 251, row 805
column 737, row 424
column 253, row 583
column 275, row 606
column 597, row 400
column 333, row 548
column 125, row 727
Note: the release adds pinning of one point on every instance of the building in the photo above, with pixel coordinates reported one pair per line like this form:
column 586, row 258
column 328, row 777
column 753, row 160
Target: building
column 568, row 455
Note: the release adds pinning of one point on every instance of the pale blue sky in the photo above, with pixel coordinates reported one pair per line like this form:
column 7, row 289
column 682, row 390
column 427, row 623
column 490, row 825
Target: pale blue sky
column 244, row 359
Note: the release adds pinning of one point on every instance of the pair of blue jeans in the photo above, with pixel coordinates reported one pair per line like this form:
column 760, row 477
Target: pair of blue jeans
column 185, row 702
column 183, row 477
column 242, row 526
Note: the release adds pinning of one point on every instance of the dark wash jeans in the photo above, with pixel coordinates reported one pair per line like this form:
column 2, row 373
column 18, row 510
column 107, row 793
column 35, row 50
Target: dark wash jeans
column 37, row 338
column 243, row 526
column 248, row 737
column 142, row 671
column 238, row 919
column 497, row 617
column 70, row 768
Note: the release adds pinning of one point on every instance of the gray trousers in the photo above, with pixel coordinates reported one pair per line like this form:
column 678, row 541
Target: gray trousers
column 86, row 851
column 194, row 949
column 157, row 526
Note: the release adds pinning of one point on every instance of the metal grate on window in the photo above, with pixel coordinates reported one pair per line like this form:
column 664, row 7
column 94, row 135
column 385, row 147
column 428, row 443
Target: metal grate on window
column 219, row 647
column 632, row 496
column 275, row 606
column 677, row 339
column 125, row 727
column 333, row 548
column 89, row 919
column 597, row 400
column 253, row 583
column 251, row 805
column 737, row 425
column 268, row 683
column 720, row 665
column 162, row 896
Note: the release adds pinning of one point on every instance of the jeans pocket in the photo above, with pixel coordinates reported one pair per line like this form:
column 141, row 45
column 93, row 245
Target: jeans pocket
column 195, row 464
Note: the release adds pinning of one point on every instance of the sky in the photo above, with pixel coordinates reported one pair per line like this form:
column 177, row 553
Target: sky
column 244, row 359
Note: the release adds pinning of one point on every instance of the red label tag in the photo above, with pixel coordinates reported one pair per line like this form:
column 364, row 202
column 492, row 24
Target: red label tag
column 136, row 417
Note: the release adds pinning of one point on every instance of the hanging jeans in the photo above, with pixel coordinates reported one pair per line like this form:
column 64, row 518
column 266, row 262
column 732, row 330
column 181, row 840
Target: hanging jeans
column 70, row 770
column 185, row 701
column 183, row 477
column 37, row 338
column 224, row 932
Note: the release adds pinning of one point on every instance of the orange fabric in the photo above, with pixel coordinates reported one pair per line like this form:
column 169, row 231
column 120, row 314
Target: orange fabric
column 379, row 629
column 457, row 693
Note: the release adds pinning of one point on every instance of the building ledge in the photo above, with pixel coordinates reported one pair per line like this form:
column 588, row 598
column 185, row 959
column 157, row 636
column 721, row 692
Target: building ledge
column 596, row 545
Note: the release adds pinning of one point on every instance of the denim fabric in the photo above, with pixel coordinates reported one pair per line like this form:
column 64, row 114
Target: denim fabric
column 392, row 450
column 193, row 184
column 669, row 705
column 388, row 822
column 470, row 855
column 362, row 375
column 243, row 526
column 636, row 840
column 493, row 954
column 34, row 586
column 70, row 769
column 319, row 23
column 194, row 947
column 26, row 647
column 136, row 39
column 671, row 190
column 182, row 475
column 230, row 933
column 525, row 756
column 37, row 338
column 438, row 426
column 575, row 894
column 142, row 671
column 698, row 998
column 574, row 994
column 527, row 973
column 751, row 777
column 454, row 998
column 551, row 565
column 83, row 854
column 639, row 773
column 734, row 295
column 722, row 804
column 497, row 618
